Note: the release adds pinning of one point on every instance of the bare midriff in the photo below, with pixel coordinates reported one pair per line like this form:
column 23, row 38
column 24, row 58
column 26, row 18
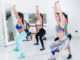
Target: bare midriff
column 61, row 35
column 20, row 30
column 39, row 27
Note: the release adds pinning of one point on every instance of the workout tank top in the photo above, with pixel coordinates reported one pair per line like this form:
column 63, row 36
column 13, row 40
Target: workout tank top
column 59, row 29
column 38, row 23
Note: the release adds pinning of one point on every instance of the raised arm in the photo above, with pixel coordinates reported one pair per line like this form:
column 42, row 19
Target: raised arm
column 61, row 15
column 17, row 17
column 38, row 14
column 55, row 8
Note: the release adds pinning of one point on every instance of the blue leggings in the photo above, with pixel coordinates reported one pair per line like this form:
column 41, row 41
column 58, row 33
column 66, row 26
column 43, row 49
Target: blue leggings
column 19, row 38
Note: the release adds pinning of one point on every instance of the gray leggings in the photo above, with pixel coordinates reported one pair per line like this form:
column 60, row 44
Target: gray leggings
column 62, row 44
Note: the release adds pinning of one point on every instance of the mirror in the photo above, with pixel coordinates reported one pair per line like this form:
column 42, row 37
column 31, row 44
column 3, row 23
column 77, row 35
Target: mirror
column 10, row 23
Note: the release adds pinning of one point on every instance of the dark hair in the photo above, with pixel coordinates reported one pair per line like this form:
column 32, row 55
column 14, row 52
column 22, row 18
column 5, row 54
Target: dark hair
column 27, row 24
column 22, row 16
column 65, row 15
column 57, row 13
column 42, row 18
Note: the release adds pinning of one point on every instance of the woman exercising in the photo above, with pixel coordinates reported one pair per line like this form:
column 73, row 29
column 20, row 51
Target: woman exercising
column 68, row 35
column 40, row 30
column 21, row 28
column 63, row 41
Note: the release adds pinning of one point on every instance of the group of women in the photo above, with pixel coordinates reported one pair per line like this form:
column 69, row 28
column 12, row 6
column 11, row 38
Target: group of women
column 61, row 41
column 23, row 30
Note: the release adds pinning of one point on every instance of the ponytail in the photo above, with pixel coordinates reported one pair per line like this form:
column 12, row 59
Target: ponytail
column 42, row 20
column 22, row 16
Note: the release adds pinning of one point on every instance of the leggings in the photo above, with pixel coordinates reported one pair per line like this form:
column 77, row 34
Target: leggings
column 63, row 44
column 40, row 34
column 19, row 38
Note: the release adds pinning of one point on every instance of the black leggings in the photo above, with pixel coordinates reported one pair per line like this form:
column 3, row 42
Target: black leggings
column 40, row 34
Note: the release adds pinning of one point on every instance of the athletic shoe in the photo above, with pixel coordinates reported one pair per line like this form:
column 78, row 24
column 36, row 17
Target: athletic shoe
column 52, row 58
column 42, row 49
column 16, row 49
column 69, row 56
column 56, row 50
column 36, row 44
column 21, row 56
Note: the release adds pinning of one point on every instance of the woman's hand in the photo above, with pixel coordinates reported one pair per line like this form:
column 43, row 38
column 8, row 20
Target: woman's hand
column 55, row 8
column 37, row 6
column 14, row 6
column 57, row 2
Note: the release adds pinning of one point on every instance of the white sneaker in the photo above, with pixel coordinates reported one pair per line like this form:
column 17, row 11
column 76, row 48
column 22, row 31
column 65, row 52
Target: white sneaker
column 52, row 58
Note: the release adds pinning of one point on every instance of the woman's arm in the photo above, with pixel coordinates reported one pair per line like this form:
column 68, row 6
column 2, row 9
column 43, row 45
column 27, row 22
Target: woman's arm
column 61, row 16
column 17, row 17
column 38, row 14
column 36, row 29
column 55, row 8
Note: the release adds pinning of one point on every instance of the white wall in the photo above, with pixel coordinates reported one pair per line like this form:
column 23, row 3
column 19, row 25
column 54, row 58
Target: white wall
column 2, row 40
column 71, row 7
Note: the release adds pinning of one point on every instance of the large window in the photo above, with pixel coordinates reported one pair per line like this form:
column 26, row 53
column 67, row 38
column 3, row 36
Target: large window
column 33, row 19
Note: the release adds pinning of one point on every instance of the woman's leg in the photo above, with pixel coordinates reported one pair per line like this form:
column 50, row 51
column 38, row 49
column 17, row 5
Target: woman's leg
column 17, row 45
column 63, row 47
column 57, row 49
column 36, row 36
column 53, row 46
column 41, row 40
column 19, row 40
column 20, row 46
column 63, row 44
column 69, row 51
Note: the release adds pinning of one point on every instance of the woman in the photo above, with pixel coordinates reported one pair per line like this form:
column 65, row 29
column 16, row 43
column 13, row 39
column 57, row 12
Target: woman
column 27, row 30
column 63, row 41
column 68, row 35
column 40, row 30
column 22, row 33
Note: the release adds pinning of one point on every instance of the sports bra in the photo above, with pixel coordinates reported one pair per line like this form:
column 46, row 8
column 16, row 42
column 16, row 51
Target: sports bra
column 18, row 27
column 59, row 29
column 38, row 23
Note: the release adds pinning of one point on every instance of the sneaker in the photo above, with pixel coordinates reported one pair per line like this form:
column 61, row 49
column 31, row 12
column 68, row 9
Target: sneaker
column 56, row 50
column 21, row 56
column 69, row 56
column 42, row 49
column 16, row 49
column 36, row 44
column 52, row 58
